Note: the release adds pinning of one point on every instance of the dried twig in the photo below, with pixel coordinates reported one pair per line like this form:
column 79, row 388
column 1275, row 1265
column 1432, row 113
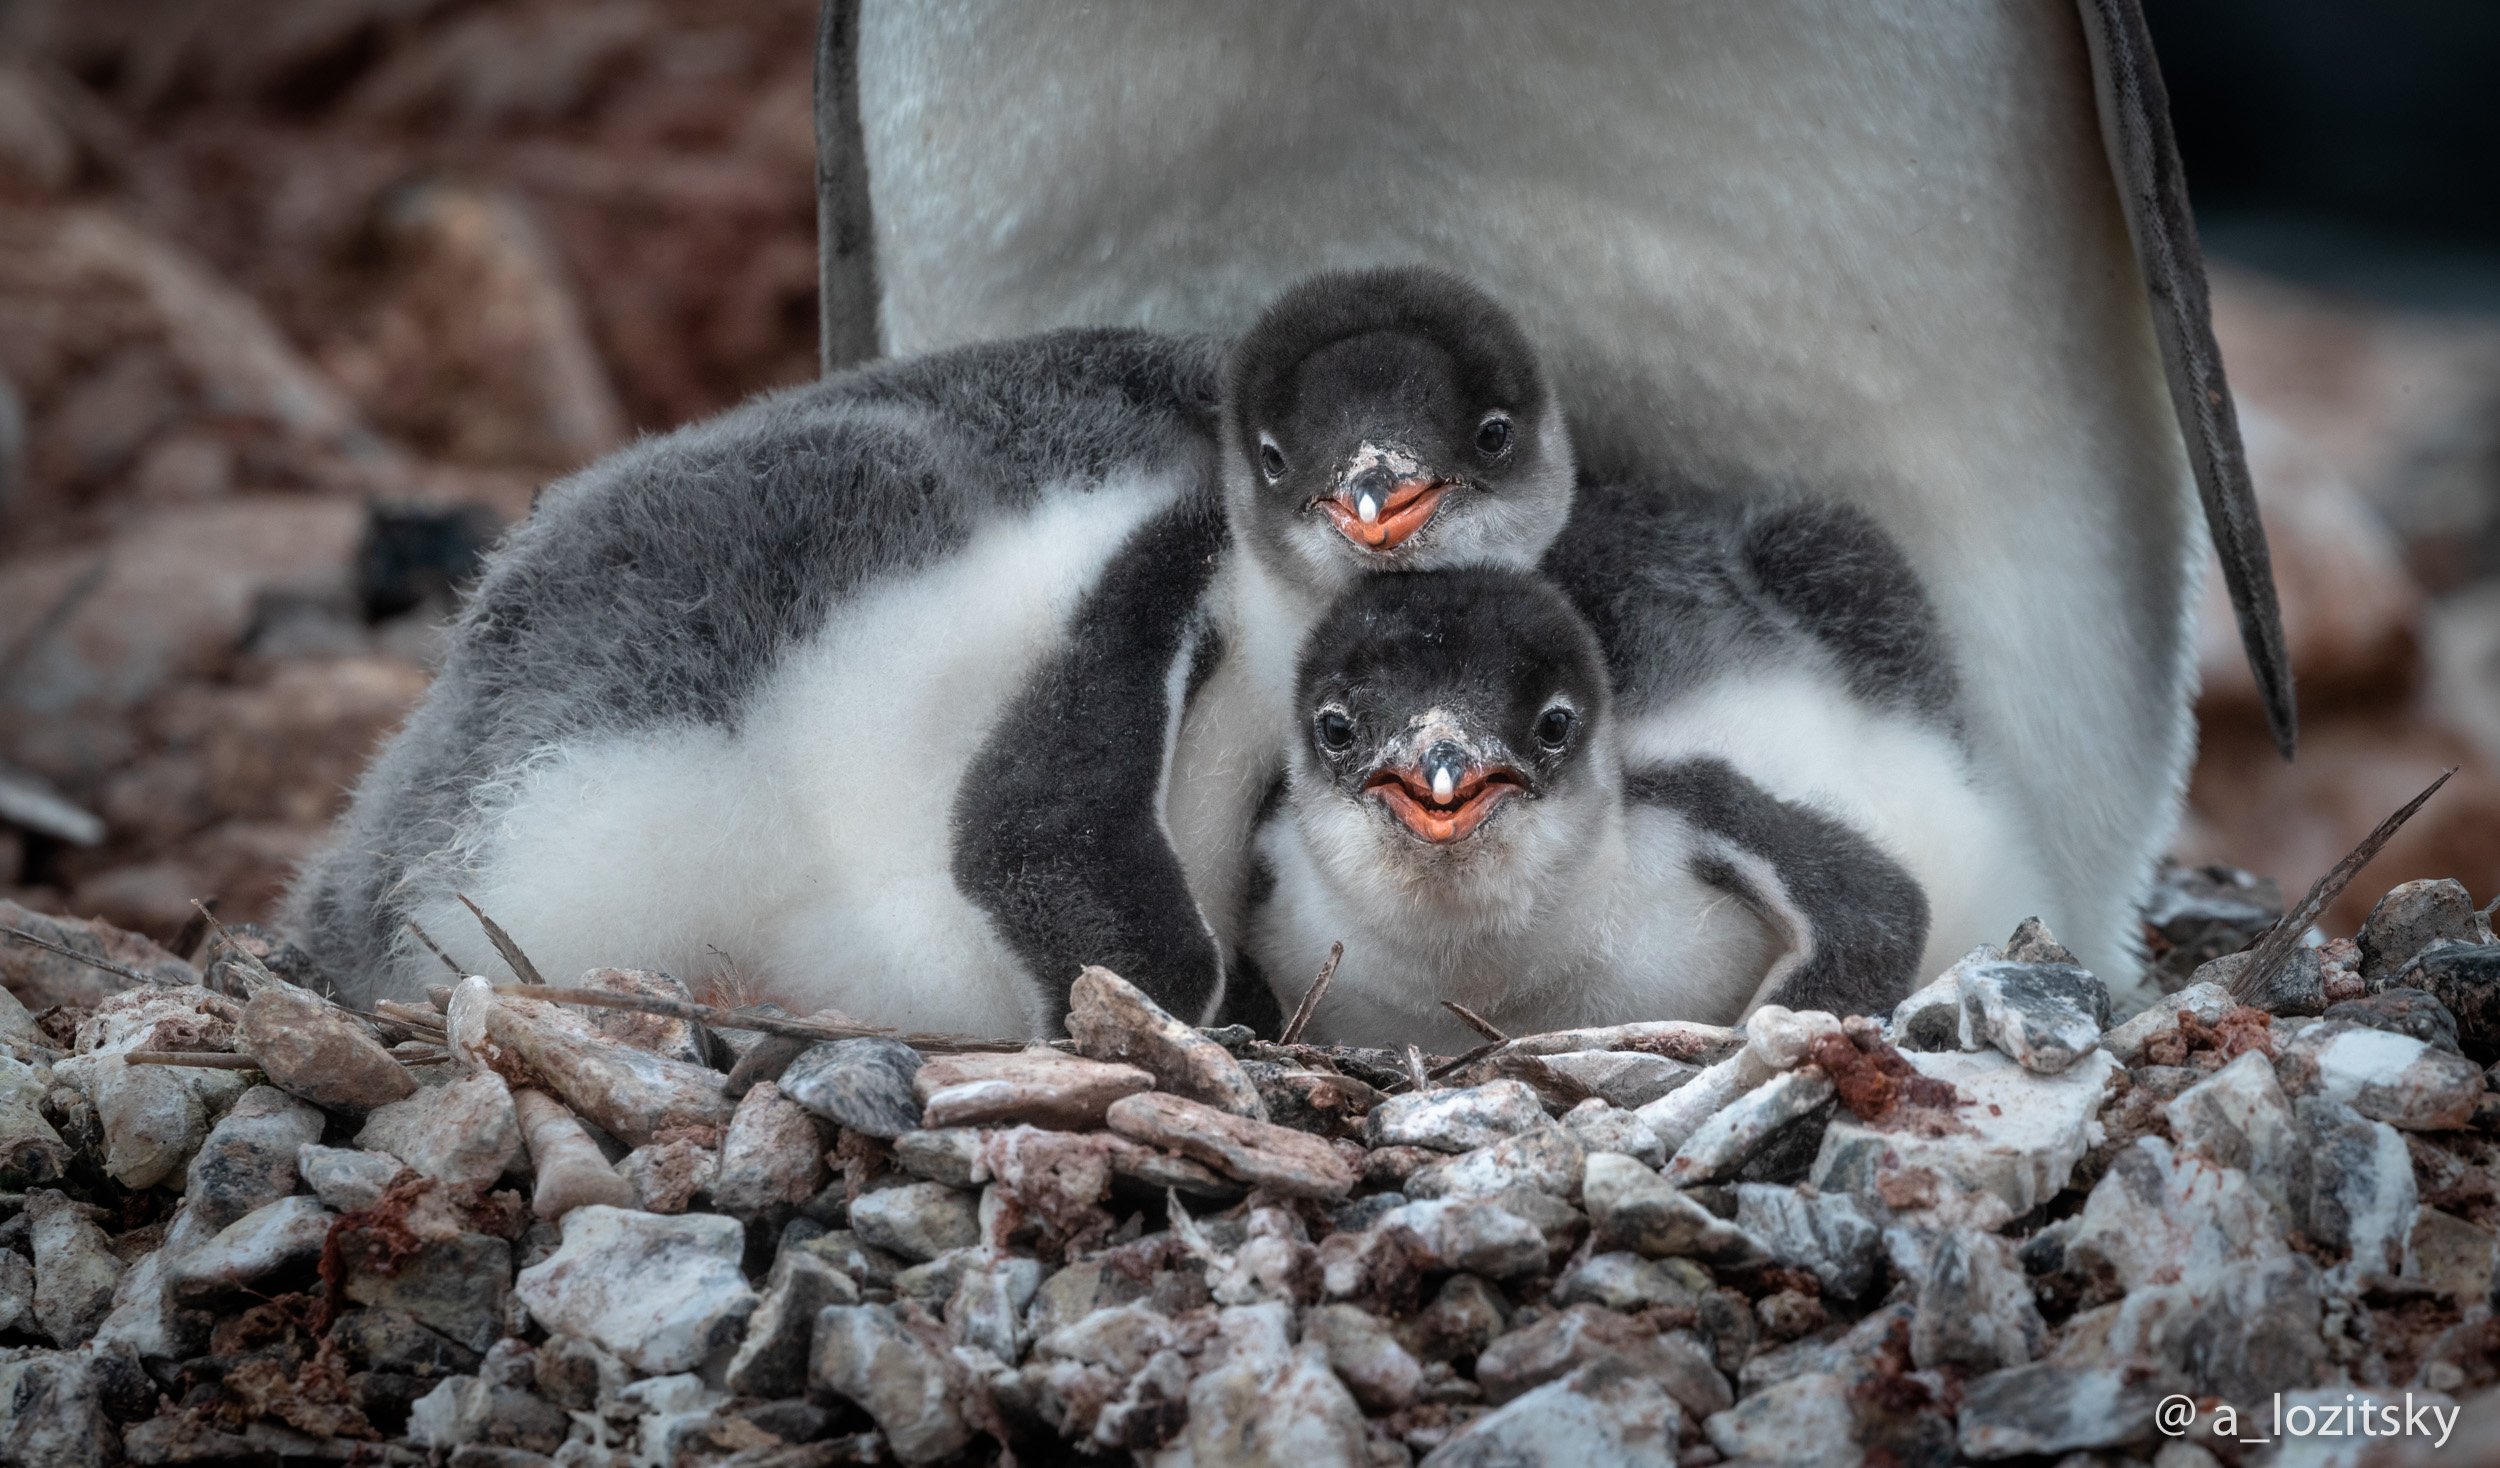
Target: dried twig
column 522, row 969
column 1416, row 1075
column 2283, row 939
column 436, row 948
column 196, row 1059
column 747, row 1019
column 194, row 932
column 409, row 1016
column 1461, row 1062
column 1309, row 1006
column 1474, row 1021
column 90, row 960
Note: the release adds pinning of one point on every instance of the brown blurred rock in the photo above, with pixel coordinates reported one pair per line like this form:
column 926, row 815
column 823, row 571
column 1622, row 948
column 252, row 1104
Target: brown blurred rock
column 289, row 748
column 478, row 350
column 178, row 590
column 41, row 979
column 38, row 152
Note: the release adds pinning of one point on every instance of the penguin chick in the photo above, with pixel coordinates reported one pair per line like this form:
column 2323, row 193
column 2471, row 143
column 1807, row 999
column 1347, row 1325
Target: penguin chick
column 1459, row 813
column 1391, row 419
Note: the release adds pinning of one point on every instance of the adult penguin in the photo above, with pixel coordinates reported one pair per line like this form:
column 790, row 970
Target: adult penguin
column 1932, row 254
column 912, row 691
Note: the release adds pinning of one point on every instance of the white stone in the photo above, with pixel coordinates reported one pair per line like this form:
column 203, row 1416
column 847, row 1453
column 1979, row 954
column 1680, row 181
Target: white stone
column 2018, row 1138
column 2157, row 1217
column 662, row 1293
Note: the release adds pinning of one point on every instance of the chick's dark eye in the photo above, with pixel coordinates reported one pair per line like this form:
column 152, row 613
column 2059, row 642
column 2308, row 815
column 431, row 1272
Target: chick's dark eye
column 1336, row 731
column 1493, row 436
column 1271, row 462
column 1553, row 729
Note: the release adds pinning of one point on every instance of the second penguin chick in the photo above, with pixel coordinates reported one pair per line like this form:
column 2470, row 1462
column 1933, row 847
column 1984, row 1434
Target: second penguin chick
column 1459, row 813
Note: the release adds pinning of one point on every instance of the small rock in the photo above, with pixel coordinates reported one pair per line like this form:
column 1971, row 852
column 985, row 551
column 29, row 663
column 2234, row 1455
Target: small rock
column 567, row 1169
column 2361, row 1196
column 917, row 1220
column 1382, row 1374
column 2401, row 1011
column 2047, row 1408
column 1724, row 1143
column 2156, row 1217
column 1631, row 1207
column 1803, row 1422
column 770, row 1157
column 2465, row 979
column 772, row 1358
column 1686, row 1109
column 41, row 978
column 1036, row 1087
column 2208, row 1002
column 1826, row 1234
column 660, row 1293
column 2240, row 1332
column 1781, row 1038
column 1602, row 1127
column 2452, row 1256
column 2411, row 917
column 346, row 1179
column 949, row 1155
column 458, row 1286
column 1974, row 1306
column 31, row 1151
column 52, row 1413
column 1467, row 1234
column 663, row 1035
column 1111, row 1020
column 463, row 1131
column 2389, row 1077
column 863, row 1084
column 17, row 1291
column 864, row 1355
column 1568, row 1339
column 272, row 1239
column 1620, row 1280
column 1547, row 1158
column 1268, row 1402
column 1605, row 1412
column 311, row 1049
column 392, row 1340
column 2044, row 1015
column 2238, row 1117
column 1455, row 1119
column 2015, row 1140
column 1931, row 1018
column 75, row 1269
column 668, row 1173
column 1627, row 1078
column 1292, row 1163
column 631, row 1094
column 987, row 1306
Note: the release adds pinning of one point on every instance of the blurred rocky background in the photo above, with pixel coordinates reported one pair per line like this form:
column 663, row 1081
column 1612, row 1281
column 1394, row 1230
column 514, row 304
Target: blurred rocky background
column 299, row 303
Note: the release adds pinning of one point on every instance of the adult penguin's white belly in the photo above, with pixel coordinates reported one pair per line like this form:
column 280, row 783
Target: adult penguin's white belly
column 1872, row 246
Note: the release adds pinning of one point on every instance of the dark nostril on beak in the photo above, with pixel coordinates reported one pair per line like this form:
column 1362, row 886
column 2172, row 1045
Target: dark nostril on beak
column 1445, row 764
column 1369, row 490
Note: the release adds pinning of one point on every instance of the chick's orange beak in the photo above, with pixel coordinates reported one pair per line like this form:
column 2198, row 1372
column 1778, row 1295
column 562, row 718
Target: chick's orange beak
column 1408, row 508
column 1439, row 819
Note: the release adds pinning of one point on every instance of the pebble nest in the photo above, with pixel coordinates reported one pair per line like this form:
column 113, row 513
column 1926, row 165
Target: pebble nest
column 495, row 1230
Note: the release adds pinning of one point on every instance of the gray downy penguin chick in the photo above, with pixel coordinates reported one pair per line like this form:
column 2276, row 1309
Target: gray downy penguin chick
column 1460, row 814
column 1787, row 636
column 876, row 690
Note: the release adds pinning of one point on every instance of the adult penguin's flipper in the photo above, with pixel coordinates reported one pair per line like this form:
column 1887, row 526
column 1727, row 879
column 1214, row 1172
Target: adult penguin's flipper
column 2144, row 160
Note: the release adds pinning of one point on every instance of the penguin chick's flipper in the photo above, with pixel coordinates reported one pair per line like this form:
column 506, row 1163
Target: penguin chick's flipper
column 2152, row 188
column 1832, row 569
column 1058, row 827
column 1855, row 919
